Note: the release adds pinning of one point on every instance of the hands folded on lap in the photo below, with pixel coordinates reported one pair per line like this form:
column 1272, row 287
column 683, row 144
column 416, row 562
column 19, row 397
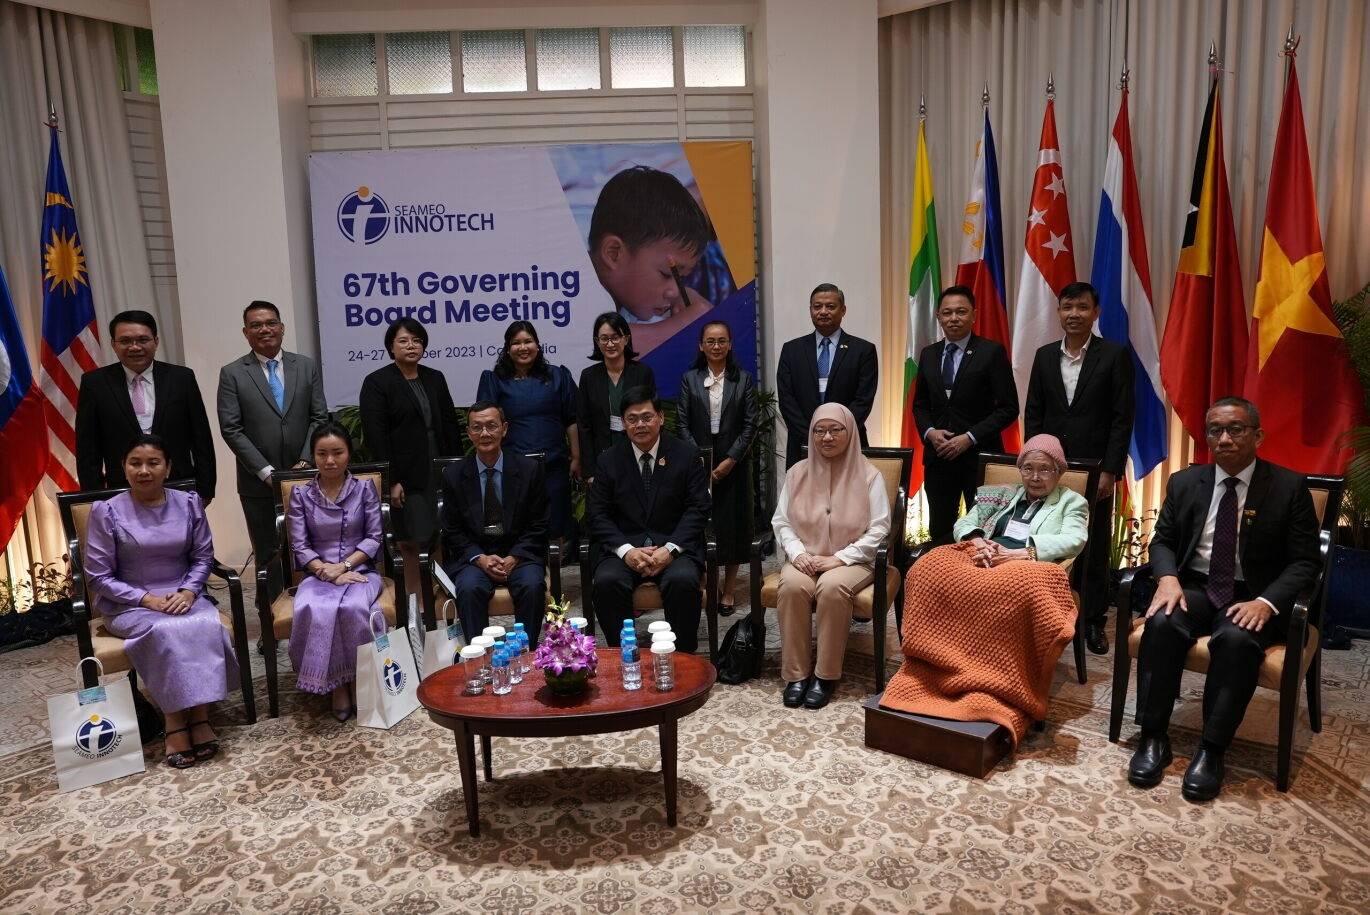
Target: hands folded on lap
column 175, row 603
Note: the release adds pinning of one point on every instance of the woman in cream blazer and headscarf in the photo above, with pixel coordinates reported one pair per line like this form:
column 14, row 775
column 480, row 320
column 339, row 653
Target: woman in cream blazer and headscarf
column 832, row 515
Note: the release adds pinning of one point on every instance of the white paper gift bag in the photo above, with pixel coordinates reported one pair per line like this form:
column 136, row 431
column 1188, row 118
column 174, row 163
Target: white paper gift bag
column 387, row 680
column 95, row 733
column 442, row 646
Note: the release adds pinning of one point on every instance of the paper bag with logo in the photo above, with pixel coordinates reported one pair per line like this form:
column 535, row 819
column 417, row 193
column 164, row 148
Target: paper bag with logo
column 441, row 646
column 94, row 733
column 387, row 681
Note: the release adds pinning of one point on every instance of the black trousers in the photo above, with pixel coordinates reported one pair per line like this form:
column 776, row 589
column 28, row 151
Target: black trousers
column 527, row 586
column 680, row 595
column 1090, row 577
column 260, row 514
column 946, row 484
column 1235, row 656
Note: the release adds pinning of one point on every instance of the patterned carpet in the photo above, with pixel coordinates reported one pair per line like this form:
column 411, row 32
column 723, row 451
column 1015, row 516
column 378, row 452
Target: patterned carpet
column 780, row 811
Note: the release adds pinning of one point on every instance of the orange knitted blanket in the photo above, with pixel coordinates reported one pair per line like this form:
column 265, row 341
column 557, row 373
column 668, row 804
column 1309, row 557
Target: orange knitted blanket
column 981, row 644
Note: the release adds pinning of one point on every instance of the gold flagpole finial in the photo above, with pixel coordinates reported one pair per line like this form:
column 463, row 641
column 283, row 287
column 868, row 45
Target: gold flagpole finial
column 1124, row 77
column 984, row 96
column 1051, row 88
column 1212, row 55
column 922, row 107
column 1291, row 42
column 52, row 115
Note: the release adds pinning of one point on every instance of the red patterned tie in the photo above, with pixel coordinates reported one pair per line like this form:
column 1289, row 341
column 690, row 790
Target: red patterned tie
column 1222, row 564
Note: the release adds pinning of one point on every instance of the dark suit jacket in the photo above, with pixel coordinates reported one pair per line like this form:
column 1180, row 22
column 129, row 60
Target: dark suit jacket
column 592, row 407
column 523, row 497
column 258, row 432
column 852, row 380
column 983, row 401
column 736, row 422
column 393, row 425
column 1277, row 533
column 618, row 510
column 106, row 426
column 1097, row 425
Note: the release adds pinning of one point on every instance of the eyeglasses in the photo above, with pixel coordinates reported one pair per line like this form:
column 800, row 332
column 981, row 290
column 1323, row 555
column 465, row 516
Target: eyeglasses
column 263, row 325
column 605, row 340
column 1235, row 430
column 1038, row 473
column 134, row 341
column 640, row 420
column 829, row 432
column 712, row 342
column 478, row 428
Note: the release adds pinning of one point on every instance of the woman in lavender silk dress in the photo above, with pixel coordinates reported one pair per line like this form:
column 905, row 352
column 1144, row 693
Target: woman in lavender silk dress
column 335, row 533
column 148, row 555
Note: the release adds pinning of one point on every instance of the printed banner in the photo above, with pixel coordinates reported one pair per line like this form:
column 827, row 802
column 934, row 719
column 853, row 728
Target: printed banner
column 468, row 240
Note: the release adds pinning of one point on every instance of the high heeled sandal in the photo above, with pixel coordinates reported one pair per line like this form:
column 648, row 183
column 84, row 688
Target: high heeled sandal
column 183, row 759
column 207, row 750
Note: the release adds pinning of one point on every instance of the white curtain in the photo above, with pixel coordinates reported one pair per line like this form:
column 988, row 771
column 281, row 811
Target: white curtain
column 948, row 53
column 72, row 59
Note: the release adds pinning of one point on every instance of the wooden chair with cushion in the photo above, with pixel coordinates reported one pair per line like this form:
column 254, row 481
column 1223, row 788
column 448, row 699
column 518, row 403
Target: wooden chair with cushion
column 647, row 596
column 1282, row 669
column 278, row 616
column 891, row 557
column 93, row 640
column 502, row 603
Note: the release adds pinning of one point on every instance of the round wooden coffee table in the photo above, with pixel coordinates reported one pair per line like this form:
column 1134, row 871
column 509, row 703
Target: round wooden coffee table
column 531, row 710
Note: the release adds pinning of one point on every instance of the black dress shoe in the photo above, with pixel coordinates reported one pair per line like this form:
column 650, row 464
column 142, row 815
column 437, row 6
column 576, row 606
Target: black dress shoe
column 1203, row 780
column 820, row 691
column 1095, row 640
column 793, row 696
column 1149, row 762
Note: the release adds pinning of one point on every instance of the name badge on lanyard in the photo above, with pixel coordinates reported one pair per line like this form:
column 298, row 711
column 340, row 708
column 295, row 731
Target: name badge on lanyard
column 1018, row 530
column 615, row 423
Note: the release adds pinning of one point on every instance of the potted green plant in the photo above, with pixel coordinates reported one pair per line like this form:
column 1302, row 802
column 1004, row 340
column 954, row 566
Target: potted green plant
column 36, row 610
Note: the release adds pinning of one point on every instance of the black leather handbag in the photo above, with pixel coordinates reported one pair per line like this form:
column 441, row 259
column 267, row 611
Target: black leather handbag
column 744, row 646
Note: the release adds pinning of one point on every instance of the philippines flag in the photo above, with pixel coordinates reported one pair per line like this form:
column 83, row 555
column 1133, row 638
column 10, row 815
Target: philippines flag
column 1122, row 275
column 71, row 340
column 23, row 441
column 981, row 265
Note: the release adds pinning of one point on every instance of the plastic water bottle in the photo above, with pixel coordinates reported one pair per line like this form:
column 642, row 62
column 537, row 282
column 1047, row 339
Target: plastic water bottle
column 513, row 647
column 503, row 684
column 525, row 658
column 632, row 662
column 663, row 665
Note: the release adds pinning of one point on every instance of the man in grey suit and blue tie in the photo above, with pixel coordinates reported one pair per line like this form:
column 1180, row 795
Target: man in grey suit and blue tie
column 269, row 401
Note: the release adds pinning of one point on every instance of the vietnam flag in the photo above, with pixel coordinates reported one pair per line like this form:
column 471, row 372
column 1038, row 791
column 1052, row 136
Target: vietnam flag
column 1298, row 370
column 1203, row 352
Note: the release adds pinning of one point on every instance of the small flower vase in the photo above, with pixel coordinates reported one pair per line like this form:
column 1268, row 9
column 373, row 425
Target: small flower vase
column 567, row 683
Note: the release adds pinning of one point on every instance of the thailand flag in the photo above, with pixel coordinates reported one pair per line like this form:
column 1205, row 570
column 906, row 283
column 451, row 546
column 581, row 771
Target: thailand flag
column 23, row 436
column 1122, row 275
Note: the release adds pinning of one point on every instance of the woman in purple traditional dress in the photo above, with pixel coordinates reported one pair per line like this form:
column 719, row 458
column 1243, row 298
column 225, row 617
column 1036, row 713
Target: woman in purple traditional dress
column 148, row 555
column 335, row 533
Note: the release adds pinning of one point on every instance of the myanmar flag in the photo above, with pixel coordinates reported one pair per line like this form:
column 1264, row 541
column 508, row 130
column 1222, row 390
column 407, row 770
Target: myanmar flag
column 925, row 283
column 1298, row 370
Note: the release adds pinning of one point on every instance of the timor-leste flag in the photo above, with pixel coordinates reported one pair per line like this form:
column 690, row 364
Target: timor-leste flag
column 1298, row 370
column 1203, row 352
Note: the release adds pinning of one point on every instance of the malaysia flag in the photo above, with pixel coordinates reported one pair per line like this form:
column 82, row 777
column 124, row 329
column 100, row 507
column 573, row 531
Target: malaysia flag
column 1122, row 274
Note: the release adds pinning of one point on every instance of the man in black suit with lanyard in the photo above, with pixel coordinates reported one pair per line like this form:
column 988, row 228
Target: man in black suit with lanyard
column 1235, row 544
column 138, row 394
column 826, row 365
column 646, row 513
column 963, row 399
column 1081, row 391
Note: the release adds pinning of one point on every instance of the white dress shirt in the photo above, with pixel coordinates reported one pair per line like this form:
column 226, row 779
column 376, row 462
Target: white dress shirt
column 862, row 551
column 714, row 385
column 1203, row 550
column 149, row 396
column 624, row 548
column 1070, row 367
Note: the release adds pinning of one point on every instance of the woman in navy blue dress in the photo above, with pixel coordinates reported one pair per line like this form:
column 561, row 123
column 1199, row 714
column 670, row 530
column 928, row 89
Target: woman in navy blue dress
column 539, row 403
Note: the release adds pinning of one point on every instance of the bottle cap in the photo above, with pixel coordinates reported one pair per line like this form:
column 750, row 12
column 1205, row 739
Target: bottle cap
column 484, row 641
column 663, row 637
column 518, row 627
column 472, row 651
column 494, row 631
column 663, row 647
column 579, row 622
column 659, row 626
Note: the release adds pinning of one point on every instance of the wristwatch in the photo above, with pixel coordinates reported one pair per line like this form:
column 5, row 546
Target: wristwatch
column 347, row 564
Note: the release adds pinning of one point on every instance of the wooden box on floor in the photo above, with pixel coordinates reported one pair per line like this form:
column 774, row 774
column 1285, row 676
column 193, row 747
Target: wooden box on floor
column 968, row 747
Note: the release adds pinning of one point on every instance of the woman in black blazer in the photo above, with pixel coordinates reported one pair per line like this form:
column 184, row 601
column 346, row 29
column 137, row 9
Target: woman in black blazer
column 408, row 419
column 717, row 409
column 616, row 369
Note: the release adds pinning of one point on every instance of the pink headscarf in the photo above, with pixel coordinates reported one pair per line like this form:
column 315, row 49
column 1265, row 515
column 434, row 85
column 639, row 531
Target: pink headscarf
column 829, row 505
column 1049, row 445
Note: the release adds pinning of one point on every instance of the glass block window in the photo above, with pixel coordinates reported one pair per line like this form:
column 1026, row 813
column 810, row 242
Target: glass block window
column 345, row 65
column 147, row 61
column 715, row 55
column 641, row 58
column 568, row 59
column 493, row 61
column 419, row 63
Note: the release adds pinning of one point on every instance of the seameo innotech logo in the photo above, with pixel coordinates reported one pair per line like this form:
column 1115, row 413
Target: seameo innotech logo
column 393, row 677
column 97, row 737
column 363, row 216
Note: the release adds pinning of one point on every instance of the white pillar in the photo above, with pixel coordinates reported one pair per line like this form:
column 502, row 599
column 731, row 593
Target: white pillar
column 819, row 138
column 232, row 83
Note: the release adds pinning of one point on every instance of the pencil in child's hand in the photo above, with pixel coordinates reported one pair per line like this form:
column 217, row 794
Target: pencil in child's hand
column 679, row 283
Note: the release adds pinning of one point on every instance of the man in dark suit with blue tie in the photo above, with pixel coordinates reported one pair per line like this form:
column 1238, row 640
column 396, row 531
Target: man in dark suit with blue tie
column 1234, row 545
column 646, row 513
column 826, row 365
column 963, row 399
column 494, row 526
